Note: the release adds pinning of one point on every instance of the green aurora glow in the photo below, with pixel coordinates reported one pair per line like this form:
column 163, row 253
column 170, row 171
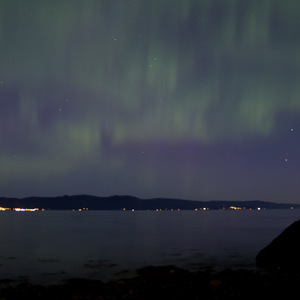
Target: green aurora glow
column 79, row 76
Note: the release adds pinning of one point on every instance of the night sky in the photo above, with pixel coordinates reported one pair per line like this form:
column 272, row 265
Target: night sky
column 193, row 99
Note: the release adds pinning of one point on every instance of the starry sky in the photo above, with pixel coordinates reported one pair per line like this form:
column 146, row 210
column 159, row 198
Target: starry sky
column 193, row 99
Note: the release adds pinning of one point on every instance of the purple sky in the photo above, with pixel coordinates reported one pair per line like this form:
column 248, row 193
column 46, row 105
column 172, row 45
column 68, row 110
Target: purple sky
column 183, row 99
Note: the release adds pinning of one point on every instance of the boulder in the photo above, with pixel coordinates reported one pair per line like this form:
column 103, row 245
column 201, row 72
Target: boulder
column 283, row 253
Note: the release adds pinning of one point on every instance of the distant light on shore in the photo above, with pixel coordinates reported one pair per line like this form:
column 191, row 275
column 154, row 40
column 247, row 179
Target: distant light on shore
column 25, row 209
column 4, row 208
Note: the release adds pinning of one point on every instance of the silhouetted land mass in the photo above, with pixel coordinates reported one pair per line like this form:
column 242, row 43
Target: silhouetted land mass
column 129, row 202
column 283, row 252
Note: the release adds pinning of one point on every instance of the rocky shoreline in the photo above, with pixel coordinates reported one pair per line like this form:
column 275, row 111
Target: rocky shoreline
column 281, row 281
column 167, row 282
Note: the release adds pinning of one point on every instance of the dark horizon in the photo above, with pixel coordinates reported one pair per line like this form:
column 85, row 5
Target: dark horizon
column 126, row 202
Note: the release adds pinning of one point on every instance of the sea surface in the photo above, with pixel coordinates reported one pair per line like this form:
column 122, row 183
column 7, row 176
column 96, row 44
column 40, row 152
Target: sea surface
column 48, row 246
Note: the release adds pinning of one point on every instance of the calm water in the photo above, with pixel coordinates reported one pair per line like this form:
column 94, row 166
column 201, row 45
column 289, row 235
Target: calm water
column 52, row 245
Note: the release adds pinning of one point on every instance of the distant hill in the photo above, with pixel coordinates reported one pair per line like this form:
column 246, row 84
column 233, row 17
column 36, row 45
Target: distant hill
column 129, row 202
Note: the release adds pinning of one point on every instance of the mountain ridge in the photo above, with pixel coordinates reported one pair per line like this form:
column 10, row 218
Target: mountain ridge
column 127, row 202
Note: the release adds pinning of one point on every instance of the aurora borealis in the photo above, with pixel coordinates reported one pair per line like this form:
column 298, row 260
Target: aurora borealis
column 194, row 99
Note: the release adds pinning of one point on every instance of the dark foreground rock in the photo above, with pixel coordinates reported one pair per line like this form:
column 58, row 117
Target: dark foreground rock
column 168, row 283
column 283, row 252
